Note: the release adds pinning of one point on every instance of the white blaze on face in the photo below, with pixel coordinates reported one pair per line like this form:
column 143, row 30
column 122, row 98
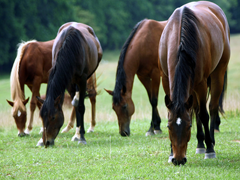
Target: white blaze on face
column 179, row 121
column 19, row 113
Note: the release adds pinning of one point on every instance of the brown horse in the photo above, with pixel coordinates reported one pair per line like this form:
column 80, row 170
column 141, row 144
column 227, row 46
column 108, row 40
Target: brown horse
column 31, row 67
column 76, row 55
column 139, row 56
column 194, row 48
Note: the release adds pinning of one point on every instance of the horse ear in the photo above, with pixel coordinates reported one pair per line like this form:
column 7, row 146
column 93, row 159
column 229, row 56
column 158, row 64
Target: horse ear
column 189, row 102
column 109, row 92
column 40, row 100
column 10, row 102
column 168, row 102
column 25, row 101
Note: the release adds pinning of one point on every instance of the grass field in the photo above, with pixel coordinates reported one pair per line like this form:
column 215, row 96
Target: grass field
column 107, row 155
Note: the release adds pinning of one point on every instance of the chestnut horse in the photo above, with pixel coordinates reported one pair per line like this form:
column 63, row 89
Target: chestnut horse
column 31, row 67
column 193, row 49
column 76, row 54
column 139, row 56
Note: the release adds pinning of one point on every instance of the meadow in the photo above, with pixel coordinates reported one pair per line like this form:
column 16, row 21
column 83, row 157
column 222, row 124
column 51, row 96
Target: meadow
column 107, row 155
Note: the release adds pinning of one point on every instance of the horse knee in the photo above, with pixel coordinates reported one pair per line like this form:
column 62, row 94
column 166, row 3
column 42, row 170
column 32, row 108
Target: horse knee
column 154, row 101
column 33, row 106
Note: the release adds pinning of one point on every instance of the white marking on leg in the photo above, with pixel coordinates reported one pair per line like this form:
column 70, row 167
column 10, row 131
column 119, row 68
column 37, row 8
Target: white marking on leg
column 179, row 121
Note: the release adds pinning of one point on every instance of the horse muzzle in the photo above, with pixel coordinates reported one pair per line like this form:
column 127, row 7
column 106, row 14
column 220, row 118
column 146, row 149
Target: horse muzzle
column 179, row 162
column 49, row 143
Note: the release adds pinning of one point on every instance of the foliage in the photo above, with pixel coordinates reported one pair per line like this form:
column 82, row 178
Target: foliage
column 112, row 20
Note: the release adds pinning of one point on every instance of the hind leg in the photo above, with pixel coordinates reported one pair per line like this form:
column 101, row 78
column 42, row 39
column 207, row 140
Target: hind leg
column 33, row 103
column 217, row 80
column 92, row 91
column 204, row 117
column 152, row 87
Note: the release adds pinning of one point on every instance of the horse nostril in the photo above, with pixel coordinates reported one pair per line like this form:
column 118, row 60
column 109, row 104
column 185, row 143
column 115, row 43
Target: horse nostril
column 184, row 160
column 174, row 161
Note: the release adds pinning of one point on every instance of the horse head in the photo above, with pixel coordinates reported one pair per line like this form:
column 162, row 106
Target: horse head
column 179, row 128
column 124, row 110
column 52, row 119
column 19, row 114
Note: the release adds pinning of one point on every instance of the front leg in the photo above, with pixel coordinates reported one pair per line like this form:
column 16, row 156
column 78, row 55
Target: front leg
column 80, row 110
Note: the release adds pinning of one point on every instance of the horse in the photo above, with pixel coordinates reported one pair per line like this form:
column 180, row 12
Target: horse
column 31, row 67
column 193, row 50
column 139, row 55
column 76, row 54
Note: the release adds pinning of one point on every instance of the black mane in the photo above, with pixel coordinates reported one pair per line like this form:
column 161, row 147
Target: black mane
column 187, row 52
column 66, row 62
column 121, row 75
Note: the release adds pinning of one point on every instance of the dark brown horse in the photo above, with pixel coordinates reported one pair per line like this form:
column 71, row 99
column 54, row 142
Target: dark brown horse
column 194, row 48
column 139, row 56
column 31, row 67
column 76, row 55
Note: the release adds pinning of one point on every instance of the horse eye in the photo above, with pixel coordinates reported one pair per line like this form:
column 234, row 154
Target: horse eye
column 124, row 106
column 168, row 126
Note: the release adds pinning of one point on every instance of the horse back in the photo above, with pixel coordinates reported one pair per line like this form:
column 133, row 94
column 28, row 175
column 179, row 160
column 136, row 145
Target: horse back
column 143, row 48
column 36, row 61
column 212, row 38
column 92, row 46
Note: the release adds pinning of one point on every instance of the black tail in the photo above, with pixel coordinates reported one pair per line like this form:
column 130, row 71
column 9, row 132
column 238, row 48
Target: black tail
column 223, row 94
column 121, row 75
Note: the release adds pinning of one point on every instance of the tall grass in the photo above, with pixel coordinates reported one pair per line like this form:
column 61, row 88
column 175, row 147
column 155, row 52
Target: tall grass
column 110, row 156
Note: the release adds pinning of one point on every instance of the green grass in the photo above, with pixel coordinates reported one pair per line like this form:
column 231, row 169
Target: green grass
column 107, row 155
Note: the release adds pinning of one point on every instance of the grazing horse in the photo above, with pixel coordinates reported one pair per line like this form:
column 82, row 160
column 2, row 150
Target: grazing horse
column 31, row 67
column 76, row 54
column 139, row 55
column 194, row 48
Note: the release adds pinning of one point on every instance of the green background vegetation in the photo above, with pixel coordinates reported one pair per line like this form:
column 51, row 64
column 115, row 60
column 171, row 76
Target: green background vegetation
column 112, row 20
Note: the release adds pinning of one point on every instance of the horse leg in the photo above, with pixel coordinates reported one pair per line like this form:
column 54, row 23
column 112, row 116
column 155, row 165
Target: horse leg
column 92, row 91
column 217, row 80
column 152, row 87
column 204, row 117
column 33, row 103
column 171, row 155
column 93, row 121
column 71, row 121
column 200, row 135
column 80, row 110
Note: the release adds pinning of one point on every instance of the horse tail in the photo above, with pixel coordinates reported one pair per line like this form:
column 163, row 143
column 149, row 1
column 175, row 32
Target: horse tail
column 223, row 94
column 121, row 75
column 186, row 55
column 16, row 91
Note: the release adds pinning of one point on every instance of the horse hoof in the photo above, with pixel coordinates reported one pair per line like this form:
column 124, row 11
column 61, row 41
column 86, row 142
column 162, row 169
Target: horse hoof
column 82, row 142
column 200, row 150
column 75, row 138
column 149, row 133
column 21, row 134
column 40, row 143
column 170, row 159
column 90, row 130
column 210, row 155
column 66, row 129
column 27, row 131
column 157, row 131
column 216, row 131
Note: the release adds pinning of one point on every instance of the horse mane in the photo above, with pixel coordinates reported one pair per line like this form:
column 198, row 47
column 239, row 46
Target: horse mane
column 187, row 52
column 61, row 74
column 16, row 92
column 121, row 75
